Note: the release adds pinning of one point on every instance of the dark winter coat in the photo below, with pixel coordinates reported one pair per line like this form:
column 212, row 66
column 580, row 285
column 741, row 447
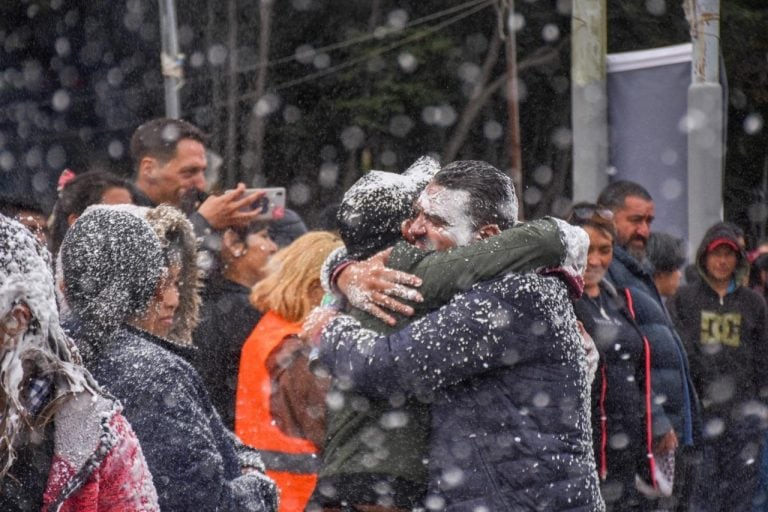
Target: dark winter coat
column 626, row 272
column 726, row 338
column 112, row 264
column 190, row 453
column 226, row 319
column 670, row 374
column 621, row 392
column 505, row 369
column 400, row 452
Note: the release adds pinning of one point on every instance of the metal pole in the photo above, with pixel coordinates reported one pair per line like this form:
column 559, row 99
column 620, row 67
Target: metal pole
column 170, row 59
column 705, row 122
column 589, row 104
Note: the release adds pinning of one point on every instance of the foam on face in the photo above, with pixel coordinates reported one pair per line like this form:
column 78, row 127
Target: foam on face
column 452, row 206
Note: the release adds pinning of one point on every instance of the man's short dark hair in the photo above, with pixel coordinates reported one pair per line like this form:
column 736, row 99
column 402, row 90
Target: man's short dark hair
column 158, row 138
column 616, row 193
column 492, row 197
column 12, row 206
column 665, row 252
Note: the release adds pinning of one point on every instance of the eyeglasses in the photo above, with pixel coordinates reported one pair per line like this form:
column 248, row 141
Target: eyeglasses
column 586, row 212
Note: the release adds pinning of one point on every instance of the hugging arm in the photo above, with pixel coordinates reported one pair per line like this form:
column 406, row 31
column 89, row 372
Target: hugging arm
column 472, row 334
column 530, row 246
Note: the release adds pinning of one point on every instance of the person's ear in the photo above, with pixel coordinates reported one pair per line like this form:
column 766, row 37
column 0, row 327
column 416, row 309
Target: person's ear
column 71, row 218
column 18, row 320
column 148, row 169
column 233, row 243
column 488, row 231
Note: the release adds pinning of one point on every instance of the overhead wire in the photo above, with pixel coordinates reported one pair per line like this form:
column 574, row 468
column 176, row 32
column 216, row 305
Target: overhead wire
column 284, row 60
column 466, row 9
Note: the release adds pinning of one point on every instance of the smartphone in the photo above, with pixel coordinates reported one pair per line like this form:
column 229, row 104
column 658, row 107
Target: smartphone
column 271, row 205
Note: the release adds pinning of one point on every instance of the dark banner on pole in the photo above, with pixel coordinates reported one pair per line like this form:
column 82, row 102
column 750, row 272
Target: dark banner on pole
column 647, row 104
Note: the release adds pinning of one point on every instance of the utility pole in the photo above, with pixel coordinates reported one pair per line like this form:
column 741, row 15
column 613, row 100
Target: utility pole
column 513, row 112
column 170, row 59
column 704, row 121
column 589, row 102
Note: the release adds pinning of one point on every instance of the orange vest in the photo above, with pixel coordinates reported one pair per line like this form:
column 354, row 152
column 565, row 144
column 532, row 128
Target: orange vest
column 291, row 461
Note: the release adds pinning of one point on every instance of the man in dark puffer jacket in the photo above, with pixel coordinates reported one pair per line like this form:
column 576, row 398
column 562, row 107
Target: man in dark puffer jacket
column 634, row 211
column 504, row 367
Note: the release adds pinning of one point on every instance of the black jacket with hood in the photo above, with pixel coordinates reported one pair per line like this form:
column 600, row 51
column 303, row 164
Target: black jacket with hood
column 726, row 337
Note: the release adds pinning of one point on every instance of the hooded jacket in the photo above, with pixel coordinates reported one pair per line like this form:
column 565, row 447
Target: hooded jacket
column 95, row 463
column 192, row 456
column 726, row 337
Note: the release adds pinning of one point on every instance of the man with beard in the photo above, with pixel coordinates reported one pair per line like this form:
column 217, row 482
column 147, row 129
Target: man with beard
column 633, row 212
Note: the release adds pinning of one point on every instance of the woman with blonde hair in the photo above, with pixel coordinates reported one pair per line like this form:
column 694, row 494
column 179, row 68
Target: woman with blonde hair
column 280, row 404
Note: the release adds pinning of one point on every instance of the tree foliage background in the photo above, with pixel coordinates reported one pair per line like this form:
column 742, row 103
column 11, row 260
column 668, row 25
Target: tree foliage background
column 308, row 94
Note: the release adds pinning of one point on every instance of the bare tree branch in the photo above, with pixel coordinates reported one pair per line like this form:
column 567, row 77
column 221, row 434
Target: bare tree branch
column 255, row 142
column 230, row 150
column 478, row 101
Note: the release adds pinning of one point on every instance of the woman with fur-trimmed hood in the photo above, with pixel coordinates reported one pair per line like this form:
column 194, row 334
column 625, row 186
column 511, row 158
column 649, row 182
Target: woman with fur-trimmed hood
column 117, row 277
column 64, row 444
column 179, row 246
column 175, row 317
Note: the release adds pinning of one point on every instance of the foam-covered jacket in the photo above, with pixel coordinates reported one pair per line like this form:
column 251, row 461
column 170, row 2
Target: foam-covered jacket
column 354, row 467
column 190, row 453
column 112, row 263
column 670, row 373
column 97, row 465
column 504, row 368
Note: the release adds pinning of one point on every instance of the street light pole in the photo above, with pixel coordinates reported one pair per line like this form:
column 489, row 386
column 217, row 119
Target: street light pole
column 170, row 59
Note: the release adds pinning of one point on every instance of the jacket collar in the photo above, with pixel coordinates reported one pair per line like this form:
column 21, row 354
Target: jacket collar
column 630, row 262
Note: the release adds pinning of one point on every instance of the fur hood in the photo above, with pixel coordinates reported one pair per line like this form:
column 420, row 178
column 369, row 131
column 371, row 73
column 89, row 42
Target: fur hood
column 165, row 220
column 111, row 263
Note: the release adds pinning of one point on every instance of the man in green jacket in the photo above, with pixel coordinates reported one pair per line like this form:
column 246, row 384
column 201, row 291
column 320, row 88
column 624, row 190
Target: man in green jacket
column 375, row 452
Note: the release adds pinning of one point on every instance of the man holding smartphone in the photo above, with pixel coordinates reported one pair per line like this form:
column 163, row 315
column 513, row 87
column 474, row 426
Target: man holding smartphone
column 169, row 158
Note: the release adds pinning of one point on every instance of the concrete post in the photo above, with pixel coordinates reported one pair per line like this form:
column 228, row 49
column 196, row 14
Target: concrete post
column 589, row 99
column 704, row 123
